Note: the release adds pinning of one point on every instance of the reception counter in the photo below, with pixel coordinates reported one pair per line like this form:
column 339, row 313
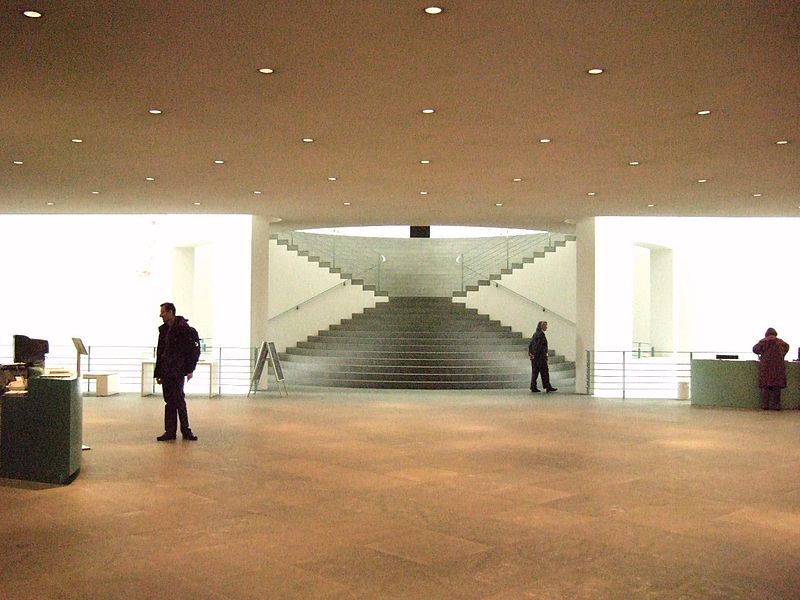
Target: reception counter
column 41, row 432
column 734, row 383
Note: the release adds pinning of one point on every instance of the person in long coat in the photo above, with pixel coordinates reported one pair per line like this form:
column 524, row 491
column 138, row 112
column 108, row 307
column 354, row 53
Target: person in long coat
column 771, row 368
column 537, row 352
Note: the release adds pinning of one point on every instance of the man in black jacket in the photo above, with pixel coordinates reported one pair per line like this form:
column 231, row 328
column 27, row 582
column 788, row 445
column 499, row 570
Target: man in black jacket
column 537, row 351
column 176, row 358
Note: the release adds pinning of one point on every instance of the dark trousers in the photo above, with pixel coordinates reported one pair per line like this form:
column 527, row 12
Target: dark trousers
column 771, row 398
column 175, row 409
column 540, row 367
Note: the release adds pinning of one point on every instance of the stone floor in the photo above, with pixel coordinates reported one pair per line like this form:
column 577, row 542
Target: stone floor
column 411, row 494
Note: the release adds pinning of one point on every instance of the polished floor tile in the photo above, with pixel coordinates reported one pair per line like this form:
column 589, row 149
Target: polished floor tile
column 342, row 494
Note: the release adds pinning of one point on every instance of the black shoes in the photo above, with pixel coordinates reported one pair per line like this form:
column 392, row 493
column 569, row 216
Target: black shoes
column 534, row 390
column 550, row 389
column 168, row 437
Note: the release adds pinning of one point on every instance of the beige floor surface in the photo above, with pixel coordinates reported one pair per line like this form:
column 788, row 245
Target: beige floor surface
column 413, row 494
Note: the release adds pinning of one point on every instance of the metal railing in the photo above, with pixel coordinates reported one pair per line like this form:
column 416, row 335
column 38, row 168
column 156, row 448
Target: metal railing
column 234, row 366
column 475, row 260
column 643, row 373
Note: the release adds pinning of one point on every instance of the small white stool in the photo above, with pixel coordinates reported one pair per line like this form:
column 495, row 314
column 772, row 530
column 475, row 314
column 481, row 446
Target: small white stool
column 107, row 384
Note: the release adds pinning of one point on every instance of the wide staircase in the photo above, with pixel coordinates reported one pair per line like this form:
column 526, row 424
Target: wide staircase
column 418, row 343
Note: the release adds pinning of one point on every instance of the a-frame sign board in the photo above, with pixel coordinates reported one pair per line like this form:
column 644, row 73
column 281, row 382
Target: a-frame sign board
column 266, row 352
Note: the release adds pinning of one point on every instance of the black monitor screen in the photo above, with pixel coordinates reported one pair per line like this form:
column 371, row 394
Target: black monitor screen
column 30, row 351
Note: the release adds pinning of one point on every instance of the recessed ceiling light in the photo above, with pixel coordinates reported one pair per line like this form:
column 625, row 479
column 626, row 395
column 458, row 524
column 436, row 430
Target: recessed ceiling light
column 307, row 140
column 782, row 142
column 266, row 70
column 149, row 178
column 703, row 112
column 332, row 178
column 517, row 179
column 434, row 10
column 650, row 205
column 756, row 195
column 634, row 163
column 498, row 204
column 428, row 111
column 33, row 14
column 257, row 192
column 196, row 203
column 219, row 162
column 545, row 141
column 17, row 162
column 702, row 180
column 591, row 193
column 154, row 111
column 595, row 71
column 50, row 203
column 76, row 140
column 346, row 203
column 423, row 193
column 424, row 162
column 95, row 193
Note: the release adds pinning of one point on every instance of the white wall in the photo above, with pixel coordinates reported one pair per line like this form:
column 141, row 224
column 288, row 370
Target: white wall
column 305, row 299
column 103, row 277
column 549, row 283
column 733, row 278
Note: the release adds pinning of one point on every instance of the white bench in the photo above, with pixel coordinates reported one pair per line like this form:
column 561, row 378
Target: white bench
column 107, row 384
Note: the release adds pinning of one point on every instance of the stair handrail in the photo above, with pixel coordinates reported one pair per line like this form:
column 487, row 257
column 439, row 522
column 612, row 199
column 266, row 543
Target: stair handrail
column 491, row 260
column 307, row 300
column 500, row 286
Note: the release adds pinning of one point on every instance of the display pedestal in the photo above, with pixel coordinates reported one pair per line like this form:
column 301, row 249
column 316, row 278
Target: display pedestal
column 41, row 434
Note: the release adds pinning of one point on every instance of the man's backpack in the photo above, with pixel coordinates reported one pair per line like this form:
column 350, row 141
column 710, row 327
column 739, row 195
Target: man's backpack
column 194, row 354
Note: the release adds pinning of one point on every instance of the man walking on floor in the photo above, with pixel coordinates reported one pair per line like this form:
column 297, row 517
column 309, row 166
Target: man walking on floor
column 176, row 357
column 537, row 351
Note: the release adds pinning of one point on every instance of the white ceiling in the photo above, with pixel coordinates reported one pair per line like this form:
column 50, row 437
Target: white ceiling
column 354, row 75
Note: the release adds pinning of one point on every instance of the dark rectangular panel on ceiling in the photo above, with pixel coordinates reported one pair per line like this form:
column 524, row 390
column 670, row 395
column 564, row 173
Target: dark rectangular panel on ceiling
column 420, row 231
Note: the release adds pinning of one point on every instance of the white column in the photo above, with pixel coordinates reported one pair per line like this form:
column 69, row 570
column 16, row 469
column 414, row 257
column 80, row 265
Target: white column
column 259, row 280
column 585, row 299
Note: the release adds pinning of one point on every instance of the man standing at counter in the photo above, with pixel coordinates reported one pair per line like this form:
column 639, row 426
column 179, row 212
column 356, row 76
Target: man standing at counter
column 771, row 369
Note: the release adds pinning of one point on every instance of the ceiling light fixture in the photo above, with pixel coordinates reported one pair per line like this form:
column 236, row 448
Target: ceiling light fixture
column 32, row 14
column 17, row 162
column 346, row 203
column 76, row 140
column 196, row 203
column 423, row 193
column 704, row 112
column 634, row 163
column 591, row 193
column 428, row 111
column 332, row 178
column 545, row 141
column 650, row 205
column 154, row 111
column 756, row 195
column 307, row 140
column 219, row 162
column 517, row 179
column 434, row 10
column 498, row 204
column 595, row 71
column 702, row 180
column 149, row 178
column 50, row 203
column 424, row 162
column 782, row 142
column 95, row 193
column 266, row 70
column 256, row 192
